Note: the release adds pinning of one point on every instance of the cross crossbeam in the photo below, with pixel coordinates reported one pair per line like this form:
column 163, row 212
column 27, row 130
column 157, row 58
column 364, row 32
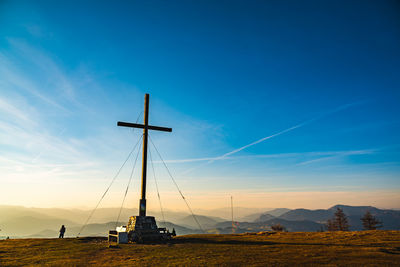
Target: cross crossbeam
column 150, row 127
column 145, row 126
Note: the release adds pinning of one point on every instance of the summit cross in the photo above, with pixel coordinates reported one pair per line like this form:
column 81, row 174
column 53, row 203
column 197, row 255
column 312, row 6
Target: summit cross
column 145, row 127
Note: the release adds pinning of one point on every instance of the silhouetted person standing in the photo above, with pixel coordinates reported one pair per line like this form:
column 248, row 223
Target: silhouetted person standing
column 62, row 231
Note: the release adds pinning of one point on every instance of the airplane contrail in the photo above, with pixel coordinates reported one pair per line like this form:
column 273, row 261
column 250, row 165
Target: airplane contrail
column 322, row 154
column 256, row 142
column 343, row 107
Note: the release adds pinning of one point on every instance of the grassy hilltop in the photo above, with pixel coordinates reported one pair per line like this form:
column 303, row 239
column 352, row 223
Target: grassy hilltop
column 332, row 248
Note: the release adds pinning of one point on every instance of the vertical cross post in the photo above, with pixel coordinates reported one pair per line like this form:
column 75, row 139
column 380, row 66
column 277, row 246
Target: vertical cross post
column 142, row 205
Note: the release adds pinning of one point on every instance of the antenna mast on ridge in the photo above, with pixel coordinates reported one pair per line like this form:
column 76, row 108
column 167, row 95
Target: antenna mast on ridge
column 233, row 224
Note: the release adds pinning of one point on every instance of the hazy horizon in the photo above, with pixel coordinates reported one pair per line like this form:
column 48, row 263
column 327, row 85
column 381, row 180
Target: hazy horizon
column 301, row 197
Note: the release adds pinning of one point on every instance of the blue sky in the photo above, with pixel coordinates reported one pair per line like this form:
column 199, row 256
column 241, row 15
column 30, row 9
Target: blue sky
column 278, row 103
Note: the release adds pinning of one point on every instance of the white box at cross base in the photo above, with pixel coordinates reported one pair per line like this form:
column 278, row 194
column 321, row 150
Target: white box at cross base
column 121, row 228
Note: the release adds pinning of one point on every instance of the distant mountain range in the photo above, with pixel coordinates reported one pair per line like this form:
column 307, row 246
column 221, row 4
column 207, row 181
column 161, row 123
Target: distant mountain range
column 256, row 216
column 389, row 218
column 34, row 222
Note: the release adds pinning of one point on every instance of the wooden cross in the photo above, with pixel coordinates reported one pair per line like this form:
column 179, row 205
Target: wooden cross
column 145, row 127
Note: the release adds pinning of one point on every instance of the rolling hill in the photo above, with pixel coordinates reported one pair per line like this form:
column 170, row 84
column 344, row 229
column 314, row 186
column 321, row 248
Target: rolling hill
column 269, row 214
column 205, row 221
column 389, row 218
column 292, row 226
column 27, row 225
column 33, row 222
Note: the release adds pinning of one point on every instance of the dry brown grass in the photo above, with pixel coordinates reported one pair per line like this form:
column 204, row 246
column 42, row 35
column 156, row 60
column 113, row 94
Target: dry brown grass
column 377, row 248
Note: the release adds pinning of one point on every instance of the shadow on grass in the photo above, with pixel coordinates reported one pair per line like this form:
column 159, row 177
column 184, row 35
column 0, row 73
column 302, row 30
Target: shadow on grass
column 92, row 239
column 391, row 251
column 225, row 242
column 262, row 243
column 211, row 241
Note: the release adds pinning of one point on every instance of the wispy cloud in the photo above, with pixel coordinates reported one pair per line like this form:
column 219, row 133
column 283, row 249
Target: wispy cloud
column 13, row 77
column 287, row 130
column 338, row 155
column 13, row 111
column 33, row 89
column 322, row 115
column 322, row 154
column 46, row 64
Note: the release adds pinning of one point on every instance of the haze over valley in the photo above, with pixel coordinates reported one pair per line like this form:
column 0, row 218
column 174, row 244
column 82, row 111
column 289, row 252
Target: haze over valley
column 21, row 222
